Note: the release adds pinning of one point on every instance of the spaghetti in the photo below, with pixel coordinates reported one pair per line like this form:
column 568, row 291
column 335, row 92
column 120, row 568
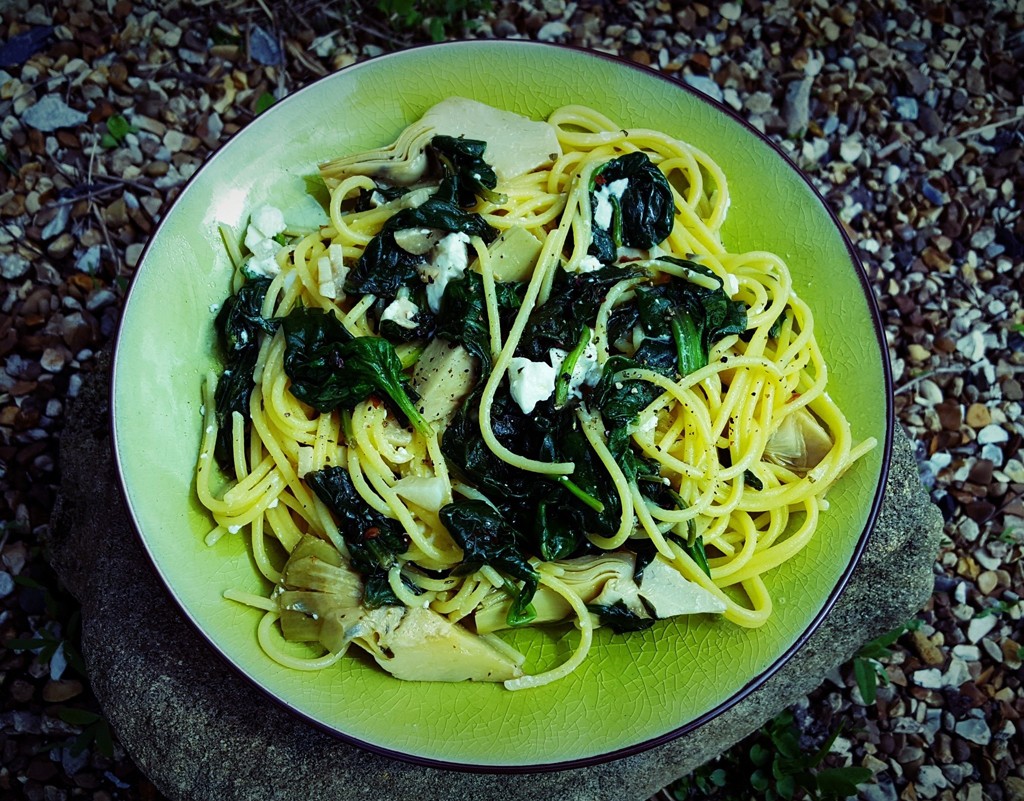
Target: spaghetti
column 481, row 397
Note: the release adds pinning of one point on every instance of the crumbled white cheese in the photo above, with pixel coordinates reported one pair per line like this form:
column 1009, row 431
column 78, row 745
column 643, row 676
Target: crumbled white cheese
column 732, row 286
column 401, row 311
column 265, row 223
column 585, row 265
column 603, row 210
column 648, row 425
column 586, row 371
column 530, row 382
column 450, row 259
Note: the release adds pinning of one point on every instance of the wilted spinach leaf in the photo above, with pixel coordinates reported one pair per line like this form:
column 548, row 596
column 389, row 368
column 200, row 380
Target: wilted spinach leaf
column 645, row 213
column 374, row 541
column 385, row 267
column 464, row 164
column 486, row 538
column 621, row 401
column 239, row 324
column 572, row 304
column 329, row 368
column 462, row 318
column 620, row 618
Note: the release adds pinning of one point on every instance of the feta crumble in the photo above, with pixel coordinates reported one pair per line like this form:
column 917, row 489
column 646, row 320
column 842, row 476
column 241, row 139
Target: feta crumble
column 332, row 272
column 587, row 264
column 265, row 223
column 450, row 259
column 603, row 209
column 401, row 311
column 530, row 382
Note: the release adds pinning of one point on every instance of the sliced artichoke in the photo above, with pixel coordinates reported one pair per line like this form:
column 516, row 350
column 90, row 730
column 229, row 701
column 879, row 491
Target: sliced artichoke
column 604, row 580
column 800, row 443
column 320, row 598
column 515, row 144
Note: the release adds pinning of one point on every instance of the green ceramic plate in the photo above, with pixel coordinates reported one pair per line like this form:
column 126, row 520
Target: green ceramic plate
column 632, row 692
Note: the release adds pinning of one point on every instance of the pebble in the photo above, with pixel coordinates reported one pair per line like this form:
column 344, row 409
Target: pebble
column 264, row 48
column 730, row 11
column 969, row 653
column 704, row 85
column 993, row 434
column 6, row 584
column 796, row 108
column 850, row 150
column 88, row 261
column 929, row 781
column 975, row 730
column 51, row 113
column 13, row 265
column 978, row 415
column 905, row 108
column 980, row 627
column 553, row 31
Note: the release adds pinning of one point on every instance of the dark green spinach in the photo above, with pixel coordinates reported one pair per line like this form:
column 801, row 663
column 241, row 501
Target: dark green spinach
column 239, row 324
column 463, row 162
column 374, row 541
column 385, row 267
column 462, row 319
column 486, row 538
column 621, row 619
column 329, row 368
column 644, row 214
column 572, row 304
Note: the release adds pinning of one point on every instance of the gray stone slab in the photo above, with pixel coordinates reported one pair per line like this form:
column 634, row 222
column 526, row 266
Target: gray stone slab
column 200, row 732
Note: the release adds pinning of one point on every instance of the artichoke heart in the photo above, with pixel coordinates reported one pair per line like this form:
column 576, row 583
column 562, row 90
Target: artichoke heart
column 515, row 144
column 320, row 599
column 604, row 580
column 426, row 646
column 800, row 443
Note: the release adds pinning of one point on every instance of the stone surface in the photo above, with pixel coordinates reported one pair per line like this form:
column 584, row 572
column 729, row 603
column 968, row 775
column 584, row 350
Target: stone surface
column 200, row 732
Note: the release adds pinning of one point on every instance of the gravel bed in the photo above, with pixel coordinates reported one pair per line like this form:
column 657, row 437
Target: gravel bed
column 907, row 115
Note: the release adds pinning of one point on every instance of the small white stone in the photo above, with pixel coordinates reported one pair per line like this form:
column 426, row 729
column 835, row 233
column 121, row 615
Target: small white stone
column 929, row 392
column 957, row 673
column 992, row 434
column 730, row 11
column 553, row 31
column 850, row 150
column 967, row 652
column 929, row 781
column 979, row 627
column 930, row 678
column 974, row 729
column 12, row 265
column 993, row 453
column 53, row 360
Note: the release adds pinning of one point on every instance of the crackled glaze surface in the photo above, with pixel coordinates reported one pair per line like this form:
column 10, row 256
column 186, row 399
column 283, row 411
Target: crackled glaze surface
column 632, row 691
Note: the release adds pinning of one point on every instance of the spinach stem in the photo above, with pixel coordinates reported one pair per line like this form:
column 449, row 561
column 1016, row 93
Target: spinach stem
column 580, row 493
column 568, row 366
